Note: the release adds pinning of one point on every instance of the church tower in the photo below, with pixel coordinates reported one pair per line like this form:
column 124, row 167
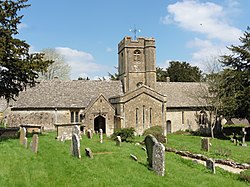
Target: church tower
column 137, row 62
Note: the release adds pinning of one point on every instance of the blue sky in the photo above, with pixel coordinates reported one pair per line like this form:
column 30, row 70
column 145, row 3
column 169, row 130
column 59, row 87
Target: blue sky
column 87, row 32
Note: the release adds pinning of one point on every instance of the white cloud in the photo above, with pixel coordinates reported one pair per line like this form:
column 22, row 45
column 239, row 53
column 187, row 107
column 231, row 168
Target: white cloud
column 213, row 23
column 82, row 63
column 206, row 18
column 22, row 26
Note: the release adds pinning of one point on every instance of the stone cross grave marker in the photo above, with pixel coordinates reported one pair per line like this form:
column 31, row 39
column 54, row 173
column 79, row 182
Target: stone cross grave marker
column 205, row 145
column 159, row 159
column 101, row 135
column 150, row 141
column 22, row 135
column 76, row 130
column 210, row 164
column 76, row 146
column 89, row 134
column 34, row 143
column 118, row 141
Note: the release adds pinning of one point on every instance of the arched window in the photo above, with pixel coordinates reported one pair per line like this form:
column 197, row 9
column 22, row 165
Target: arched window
column 137, row 54
column 202, row 117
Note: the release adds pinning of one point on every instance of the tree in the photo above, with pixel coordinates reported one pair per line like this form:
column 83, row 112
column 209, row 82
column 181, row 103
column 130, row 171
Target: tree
column 235, row 87
column 183, row 72
column 18, row 68
column 58, row 68
column 161, row 75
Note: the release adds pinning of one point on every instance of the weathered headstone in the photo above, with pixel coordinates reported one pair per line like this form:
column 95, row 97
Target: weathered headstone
column 89, row 134
column 205, row 145
column 63, row 137
column 244, row 133
column 25, row 142
column 89, row 153
column 159, row 159
column 76, row 146
column 34, row 143
column 118, row 141
column 76, row 130
column 22, row 135
column 101, row 136
column 210, row 164
column 150, row 141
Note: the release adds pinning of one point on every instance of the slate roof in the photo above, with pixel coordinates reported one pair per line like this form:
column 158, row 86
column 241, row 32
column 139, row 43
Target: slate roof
column 79, row 93
column 66, row 94
column 3, row 104
column 182, row 94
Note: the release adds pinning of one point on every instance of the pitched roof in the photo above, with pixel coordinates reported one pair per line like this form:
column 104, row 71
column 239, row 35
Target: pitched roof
column 66, row 94
column 182, row 94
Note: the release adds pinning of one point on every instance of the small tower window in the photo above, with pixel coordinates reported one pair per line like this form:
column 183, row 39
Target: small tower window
column 137, row 55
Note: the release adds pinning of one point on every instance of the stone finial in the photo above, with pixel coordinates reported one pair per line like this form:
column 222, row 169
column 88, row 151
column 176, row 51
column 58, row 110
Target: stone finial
column 158, row 160
column 76, row 146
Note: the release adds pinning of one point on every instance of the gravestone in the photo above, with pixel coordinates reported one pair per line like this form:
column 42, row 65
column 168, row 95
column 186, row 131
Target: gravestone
column 76, row 130
column 89, row 134
column 34, row 143
column 101, row 136
column 22, row 135
column 89, row 153
column 76, row 146
column 118, row 141
column 25, row 142
column 244, row 133
column 205, row 145
column 150, row 141
column 210, row 164
column 159, row 159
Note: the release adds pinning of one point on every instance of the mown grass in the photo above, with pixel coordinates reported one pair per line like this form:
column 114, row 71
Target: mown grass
column 223, row 149
column 111, row 166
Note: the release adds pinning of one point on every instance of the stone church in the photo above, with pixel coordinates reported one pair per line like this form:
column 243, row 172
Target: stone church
column 135, row 100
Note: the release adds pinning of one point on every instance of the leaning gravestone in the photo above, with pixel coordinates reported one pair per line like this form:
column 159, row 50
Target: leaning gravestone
column 76, row 130
column 210, row 164
column 101, row 135
column 89, row 153
column 34, row 143
column 89, row 134
column 205, row 145
column 118, row 141
column 159, row 159
column 244, row 133
column 22, row 135
column 150, row 141
column 76, row 146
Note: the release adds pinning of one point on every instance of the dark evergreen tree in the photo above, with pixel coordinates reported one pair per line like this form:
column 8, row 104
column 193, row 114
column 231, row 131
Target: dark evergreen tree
column 235, row 94
column 18, row 68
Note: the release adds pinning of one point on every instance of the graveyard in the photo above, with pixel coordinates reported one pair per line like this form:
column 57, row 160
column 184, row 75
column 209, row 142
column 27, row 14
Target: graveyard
column 111, row 164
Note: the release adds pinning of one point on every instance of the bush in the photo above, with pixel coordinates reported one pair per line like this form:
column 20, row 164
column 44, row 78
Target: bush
column 245, row 175
column 126, row 134
column 157, row 132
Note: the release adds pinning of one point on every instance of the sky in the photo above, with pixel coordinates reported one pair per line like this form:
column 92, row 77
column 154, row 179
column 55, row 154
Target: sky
column 87, row 32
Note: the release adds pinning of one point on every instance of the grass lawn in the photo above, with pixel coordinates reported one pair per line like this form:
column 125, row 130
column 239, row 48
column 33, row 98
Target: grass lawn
column 219, row 149
column 111, row 166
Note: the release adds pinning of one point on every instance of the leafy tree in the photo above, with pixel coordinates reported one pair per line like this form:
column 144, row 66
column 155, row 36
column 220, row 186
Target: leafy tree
column 58, row 68
column 161, row 75
column 183, row 72
column 18, row 68
column 235, row 94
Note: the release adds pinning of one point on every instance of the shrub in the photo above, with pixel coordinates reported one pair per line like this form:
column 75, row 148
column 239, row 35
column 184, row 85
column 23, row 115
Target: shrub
column 157, row 132
column 126, row 134
column 245, row 175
